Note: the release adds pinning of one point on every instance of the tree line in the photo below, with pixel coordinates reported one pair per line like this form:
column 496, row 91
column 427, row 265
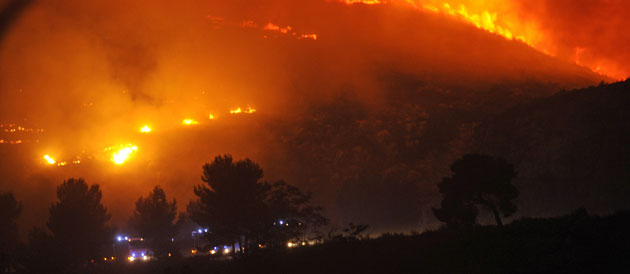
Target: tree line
column 235, row 204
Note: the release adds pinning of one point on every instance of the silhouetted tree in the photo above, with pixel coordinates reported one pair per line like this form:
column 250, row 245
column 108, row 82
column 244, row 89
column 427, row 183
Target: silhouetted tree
column 231, row 203
column 288, row 203
column 10, row 210
column 78, row 222
column 155, row 219
column 477, row 180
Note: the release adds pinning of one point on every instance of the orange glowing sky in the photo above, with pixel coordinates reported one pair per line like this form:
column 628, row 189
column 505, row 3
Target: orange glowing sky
column 166, row 85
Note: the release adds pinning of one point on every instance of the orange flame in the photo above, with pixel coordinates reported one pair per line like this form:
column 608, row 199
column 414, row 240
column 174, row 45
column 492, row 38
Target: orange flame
column 145, row 129
column 189, row 122
column 122, row 153
column 309, row 36
column 49, row 160
column 503, row 19
column 365, row 2
column 511, row 27
column 487, row 20
column 238, row 110
column 271, row 27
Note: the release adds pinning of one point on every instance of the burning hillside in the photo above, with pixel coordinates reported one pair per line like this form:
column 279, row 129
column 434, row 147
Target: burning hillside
column 589, row 33
column 326, row 94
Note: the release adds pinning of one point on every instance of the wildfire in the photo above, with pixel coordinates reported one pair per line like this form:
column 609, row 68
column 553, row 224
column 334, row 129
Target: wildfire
column 52, row 161
column 145, row 129
column 49, row 159
column 13, row 134
column 189, row 122
column 238, row 110
column 272, row 27
column 485, row 19
column 122, row 153
column 308, row 36
column 16, row 128
column 503, row 19
column 509, row 26
column 218, row 22
column 366, row 2
column 16, row 142
column 287, row 30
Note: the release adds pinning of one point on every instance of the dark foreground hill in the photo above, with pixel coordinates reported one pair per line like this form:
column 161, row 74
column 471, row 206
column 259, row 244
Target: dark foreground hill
column 570, row 149
column 576, row 243
column 380, row 165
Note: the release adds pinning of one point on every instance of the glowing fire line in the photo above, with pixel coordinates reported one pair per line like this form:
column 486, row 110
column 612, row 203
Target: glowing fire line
column 248, row 110
column 509, row 28
column 189, row 122
column 122, row 153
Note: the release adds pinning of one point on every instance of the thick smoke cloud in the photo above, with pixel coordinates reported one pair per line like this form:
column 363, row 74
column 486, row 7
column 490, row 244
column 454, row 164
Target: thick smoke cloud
column 594, row 33
column 90, row 73
column 9, row 10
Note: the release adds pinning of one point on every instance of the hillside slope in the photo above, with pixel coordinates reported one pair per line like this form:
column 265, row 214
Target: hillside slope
column 570, row 149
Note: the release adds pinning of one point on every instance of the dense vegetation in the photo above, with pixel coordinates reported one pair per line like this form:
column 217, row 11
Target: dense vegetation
column 568, row 144
column 575, row 243
column 570, row 149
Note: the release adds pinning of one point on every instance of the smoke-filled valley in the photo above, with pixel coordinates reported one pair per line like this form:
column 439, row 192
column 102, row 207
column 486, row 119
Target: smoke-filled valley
column 366, row 106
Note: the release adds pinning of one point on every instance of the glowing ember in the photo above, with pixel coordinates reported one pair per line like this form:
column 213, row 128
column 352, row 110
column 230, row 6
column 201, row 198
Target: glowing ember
column 272, row 27
column 13, row 134
column 211, row 117
column 189, row 122
column 366, row 2
column 250, row 110
column 145, row 129
column 122, row 154
column 15, row 128
column 16, row 142
column 287, row 30
column 49, row 159
column 309, row 36
column 239, row 110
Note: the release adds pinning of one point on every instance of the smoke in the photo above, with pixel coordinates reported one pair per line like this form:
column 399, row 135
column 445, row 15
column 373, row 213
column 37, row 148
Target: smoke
column 91, row 73
column 591, row 33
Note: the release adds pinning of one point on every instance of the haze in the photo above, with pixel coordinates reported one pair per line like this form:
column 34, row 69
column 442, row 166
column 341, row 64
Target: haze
column 92, row 74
